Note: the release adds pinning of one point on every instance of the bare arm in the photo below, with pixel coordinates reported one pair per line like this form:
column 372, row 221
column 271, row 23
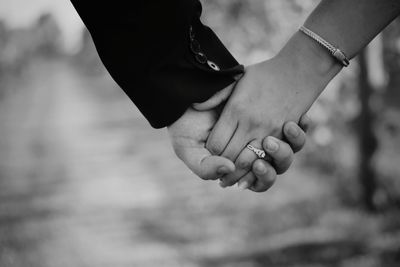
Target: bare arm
column 348, row 24
column 284, row 87
column 352, row 24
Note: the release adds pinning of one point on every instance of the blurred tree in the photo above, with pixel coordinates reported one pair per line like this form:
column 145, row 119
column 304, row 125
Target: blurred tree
column 391, row 38
column 15, row 46
column 367, row 140
column 48, row 34
column 390, row 115
column 255, row 30
column 3, row 33
column 3, row 41
column 87, row 57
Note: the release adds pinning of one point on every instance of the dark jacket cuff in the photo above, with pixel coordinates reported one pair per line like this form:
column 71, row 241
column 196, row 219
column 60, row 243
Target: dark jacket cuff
column 193, row 81
column 146, row 48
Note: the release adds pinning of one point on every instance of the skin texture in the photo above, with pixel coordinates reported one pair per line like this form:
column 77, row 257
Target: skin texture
column 251, row 112
column 189, row 135
column 283, row 88
column 281, row 153
column 282, row 156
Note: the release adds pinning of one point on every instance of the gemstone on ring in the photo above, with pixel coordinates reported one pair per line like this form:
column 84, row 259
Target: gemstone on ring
column 260, row 153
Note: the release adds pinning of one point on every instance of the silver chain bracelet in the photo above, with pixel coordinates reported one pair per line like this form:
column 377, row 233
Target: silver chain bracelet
column 336, row 53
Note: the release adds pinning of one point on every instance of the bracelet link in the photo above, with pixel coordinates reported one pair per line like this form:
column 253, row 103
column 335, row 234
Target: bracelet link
column 336, row 52
column 341, row 57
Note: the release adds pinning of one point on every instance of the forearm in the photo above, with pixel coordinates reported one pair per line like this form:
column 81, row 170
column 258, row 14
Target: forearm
column 347, row 24
column 352, row 24
column 283, row 88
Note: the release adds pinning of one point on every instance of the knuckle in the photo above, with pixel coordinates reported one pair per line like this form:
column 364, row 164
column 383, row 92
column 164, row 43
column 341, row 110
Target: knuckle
column 204, row 176
column 305, row 122
column 179, row 152
column 198, row 174
column 260, row 188
column 238, row 108
column 298, row 147
column 300, row 130
column 266, row 187
column 215, row 148
column 244, row 164
column 275, row 130
column 255, row 123
column 270, row 178
column 283, row 167
column 299, row 141
column 282, row 150
column 229, row 182
column 286, row 159
column 275, row 127
column 272, row 128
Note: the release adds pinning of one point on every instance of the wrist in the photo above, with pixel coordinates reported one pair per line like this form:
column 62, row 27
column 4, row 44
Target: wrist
column 304, row 69
column 315, row 62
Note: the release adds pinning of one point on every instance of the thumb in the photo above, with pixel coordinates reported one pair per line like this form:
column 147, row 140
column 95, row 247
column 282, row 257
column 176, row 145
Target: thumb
column 215, row 100
column 214, row 167
column 218, row 98
column 205, row 165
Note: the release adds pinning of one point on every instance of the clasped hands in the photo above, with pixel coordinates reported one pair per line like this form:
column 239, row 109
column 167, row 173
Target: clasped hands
column 260, row 109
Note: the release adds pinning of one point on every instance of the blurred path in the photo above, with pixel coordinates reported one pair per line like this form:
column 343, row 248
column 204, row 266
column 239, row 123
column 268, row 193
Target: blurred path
column 51, row 170
column 85, row 181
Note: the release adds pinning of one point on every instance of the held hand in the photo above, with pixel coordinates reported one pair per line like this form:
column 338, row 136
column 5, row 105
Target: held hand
column 188, row 137
column 259, row 175
column 189, row 134
column 269, row 94
column 248, row 172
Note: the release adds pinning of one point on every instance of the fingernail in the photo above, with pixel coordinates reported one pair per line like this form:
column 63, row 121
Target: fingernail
column 222, row 184
column 272, row 145
column 222, row 170
column 260, row 169
column 243, row 186
column 293, row 131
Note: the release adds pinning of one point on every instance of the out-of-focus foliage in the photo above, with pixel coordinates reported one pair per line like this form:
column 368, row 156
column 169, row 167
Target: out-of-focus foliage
column 255, row 30
column 87, row 58
column 85, row 181
column 20, row 45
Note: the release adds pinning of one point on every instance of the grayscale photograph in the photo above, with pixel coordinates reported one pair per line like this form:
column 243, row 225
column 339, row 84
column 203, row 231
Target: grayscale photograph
column 200, row 133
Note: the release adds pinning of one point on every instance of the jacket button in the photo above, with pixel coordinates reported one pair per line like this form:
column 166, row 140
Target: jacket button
column 213, row 65
column 195, row 47
column 201, row 58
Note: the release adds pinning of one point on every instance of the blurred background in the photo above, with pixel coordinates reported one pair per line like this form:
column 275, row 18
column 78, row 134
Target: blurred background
column 82, row 185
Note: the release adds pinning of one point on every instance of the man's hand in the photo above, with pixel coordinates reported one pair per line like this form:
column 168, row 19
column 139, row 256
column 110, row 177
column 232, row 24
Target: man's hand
column 189, row 135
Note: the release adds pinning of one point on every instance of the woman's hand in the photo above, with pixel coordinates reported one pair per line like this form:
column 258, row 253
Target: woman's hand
column 269, row 94
column 264, row 99
column 259, row 175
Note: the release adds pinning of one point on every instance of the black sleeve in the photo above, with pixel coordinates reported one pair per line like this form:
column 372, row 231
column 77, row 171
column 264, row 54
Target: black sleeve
column 147, row 47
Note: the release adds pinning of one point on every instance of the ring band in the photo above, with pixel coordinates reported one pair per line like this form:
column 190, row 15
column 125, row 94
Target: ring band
column 260, row 153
